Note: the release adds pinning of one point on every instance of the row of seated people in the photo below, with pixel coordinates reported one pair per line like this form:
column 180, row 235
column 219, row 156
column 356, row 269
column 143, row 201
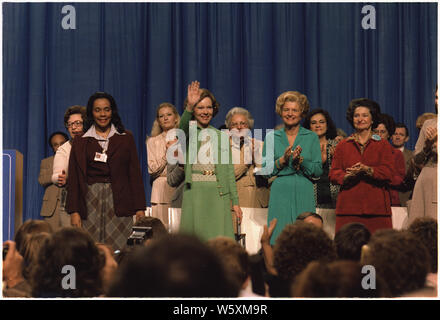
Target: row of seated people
column 304, row 263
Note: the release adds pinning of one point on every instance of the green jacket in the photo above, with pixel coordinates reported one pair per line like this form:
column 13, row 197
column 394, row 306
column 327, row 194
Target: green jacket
column 224, row 172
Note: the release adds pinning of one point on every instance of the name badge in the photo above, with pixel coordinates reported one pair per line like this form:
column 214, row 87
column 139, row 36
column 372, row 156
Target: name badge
column 101, row 157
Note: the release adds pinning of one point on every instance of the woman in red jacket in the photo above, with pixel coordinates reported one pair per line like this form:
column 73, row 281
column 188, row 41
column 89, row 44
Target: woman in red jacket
column 363, row 166
column 104, row 187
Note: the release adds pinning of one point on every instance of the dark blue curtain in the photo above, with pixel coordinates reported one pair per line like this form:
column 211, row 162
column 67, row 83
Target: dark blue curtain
column 245, row 53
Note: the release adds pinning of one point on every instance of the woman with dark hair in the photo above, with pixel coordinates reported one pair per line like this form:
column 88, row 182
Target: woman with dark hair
column 210, row 188
column 363, row 165
column 69, row 247
column 326, row 193
column 105, row 187
column 74, row 119
column 385, row 130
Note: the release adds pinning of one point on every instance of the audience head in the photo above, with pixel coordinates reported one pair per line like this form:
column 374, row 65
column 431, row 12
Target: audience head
column 69, row 252
column 357, row 108
column 386, row 127
column 56, row 139
column 167, row 118
column 311, row 217
column 425, row 229
column 400, row 136
column 400, row 258
column 298, row 245
column 320, row 122
column 110, row 265
column 349, row 241
column 31, row 249
column 30, row 227
column 235, row 259
column 338, row 279
column 173, row 266
column 103, row 103
column 74, row 120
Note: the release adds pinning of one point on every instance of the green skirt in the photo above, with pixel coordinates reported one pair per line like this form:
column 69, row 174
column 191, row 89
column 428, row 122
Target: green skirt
column 205, row 213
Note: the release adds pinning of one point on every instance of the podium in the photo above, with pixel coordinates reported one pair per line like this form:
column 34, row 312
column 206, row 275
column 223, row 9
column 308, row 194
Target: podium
column 12, row 193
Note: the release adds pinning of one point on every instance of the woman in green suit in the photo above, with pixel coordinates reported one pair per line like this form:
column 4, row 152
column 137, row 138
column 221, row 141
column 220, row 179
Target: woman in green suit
column 295, row 154
column 209, row 187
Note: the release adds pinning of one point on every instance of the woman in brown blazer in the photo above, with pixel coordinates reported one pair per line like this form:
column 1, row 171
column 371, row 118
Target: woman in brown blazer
column 105, row 187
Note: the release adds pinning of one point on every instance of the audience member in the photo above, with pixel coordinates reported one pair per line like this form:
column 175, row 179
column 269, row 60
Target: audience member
column 400, row 258
column 27, row 228
column 14, row 283
column 350, row 239
column 311, row 217
column 74, row 248
column 296, row 247
column 236, row 263
column 338, row 279
column 425, row 229
column 174, row 266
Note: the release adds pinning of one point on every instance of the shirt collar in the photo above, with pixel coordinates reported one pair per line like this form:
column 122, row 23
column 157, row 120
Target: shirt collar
column 92, row 133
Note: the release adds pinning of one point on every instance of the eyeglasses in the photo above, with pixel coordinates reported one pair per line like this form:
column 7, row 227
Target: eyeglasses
column 74, row 123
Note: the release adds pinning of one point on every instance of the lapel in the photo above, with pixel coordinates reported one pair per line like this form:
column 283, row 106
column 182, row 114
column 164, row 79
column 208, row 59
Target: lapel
column 113, row 145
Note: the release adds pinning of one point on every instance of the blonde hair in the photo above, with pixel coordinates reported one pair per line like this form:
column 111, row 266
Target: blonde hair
column 292, row 96
column 422, row 118
column 241, row 111
column 157, row 129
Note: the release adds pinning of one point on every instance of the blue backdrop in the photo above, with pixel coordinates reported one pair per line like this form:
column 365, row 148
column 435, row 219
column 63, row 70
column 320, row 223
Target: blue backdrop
column 245, row 53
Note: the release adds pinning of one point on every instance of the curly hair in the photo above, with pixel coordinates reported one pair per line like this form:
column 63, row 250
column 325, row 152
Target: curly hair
column 338, row 279
column 75, row 110
column 116, row 119
column 331, row 132
column 241, row 111
column 292, row 96
column 388, row 122
column 68, row 246
column 373, row 106
column 299, row 244
column 425, row 229
column 349, row 241
column 400, row 258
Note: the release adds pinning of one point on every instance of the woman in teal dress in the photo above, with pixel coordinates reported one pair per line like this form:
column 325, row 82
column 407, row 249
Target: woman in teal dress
column 209, row 187
column 293, row 155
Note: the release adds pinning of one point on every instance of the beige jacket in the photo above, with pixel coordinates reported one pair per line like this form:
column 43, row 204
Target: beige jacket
column 52, row 194
column 251, row 193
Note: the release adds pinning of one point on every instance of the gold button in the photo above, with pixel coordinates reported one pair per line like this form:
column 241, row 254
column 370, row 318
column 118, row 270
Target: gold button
column 221, row 193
